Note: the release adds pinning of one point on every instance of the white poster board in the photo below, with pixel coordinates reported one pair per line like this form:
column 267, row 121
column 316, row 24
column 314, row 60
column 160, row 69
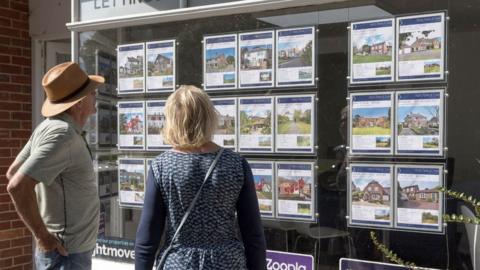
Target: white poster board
column 226, row 133
column 131, row 181
column 255, row 117
column 256, row 64
column 131, row 125
column 220, row 62
column 131, row 68
column 161, row 65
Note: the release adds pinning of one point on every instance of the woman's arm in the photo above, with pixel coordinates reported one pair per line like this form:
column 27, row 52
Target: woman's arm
column 150, row 228
column 250, row 223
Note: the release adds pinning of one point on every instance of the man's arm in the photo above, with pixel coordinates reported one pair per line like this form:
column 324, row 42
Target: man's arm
column 13, row 169
column 21, row 188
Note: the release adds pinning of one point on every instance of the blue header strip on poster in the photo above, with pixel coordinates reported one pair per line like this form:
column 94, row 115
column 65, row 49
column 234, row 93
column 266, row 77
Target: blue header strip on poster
column 428, row 95
column 295, row 82
column 264, row 35
column 306, row 217
column 130, row 90
column 380, row 24
column 296, row 32
column 156, row 104
column 371, row 169
column 389, row 78
column 256, row 101
column 299, row 167
column 419, row 77
column 220, row 86
column 266, row 150
column 347, row 264
column 419, row 151
column 220, row 39
column 370, row 151
column 431, row 227
column 255, row 84
column 223, row 102
column 261, row 166
column 160, row 45
column 354, row 221
column 421, row 20
column 304, row 150
column 132, row 161
column 130, row 48
column 294, row 100
column 372, row 97
column 130, row 105
column 426, row 171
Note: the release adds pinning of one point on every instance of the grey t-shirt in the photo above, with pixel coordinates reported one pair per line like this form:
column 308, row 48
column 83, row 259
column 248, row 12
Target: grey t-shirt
column 57, row 156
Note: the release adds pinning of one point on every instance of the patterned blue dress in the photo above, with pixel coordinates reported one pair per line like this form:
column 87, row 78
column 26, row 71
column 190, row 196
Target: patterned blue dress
column 208, row 239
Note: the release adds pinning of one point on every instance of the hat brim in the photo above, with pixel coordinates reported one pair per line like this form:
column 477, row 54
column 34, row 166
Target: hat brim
column 51, row 109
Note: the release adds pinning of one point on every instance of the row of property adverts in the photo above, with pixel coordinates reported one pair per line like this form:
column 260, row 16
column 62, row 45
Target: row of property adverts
column 409, row 48
column 230, row 61
column 400, row 196
column 405, row 123
column 266, row 124
column 285, row 190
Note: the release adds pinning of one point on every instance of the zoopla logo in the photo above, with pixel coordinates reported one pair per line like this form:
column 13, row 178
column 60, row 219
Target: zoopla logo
column 271, row 265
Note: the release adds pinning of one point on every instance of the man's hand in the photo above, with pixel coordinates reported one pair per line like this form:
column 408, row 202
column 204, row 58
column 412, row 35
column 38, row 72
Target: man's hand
column 48, row 242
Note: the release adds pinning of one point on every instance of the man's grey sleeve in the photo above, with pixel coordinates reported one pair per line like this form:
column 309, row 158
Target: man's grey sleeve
column 49, row 158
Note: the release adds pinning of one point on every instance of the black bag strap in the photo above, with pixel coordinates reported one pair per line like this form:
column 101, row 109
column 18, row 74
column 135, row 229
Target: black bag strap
column 189, row 209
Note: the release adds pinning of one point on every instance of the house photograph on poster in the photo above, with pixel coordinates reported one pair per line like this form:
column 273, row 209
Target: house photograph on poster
column 372, row 49
column 256, row 57
column 373, row 121
column 295, row 54
column 220, row 60
column 423, row 196
column 420, row 121
column 160, row 64
column 255, row 122
column 374, row 193
column 421, row 45
column 263, row 188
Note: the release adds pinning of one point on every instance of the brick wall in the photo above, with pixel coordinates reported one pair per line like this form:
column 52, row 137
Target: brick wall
column 15, row 125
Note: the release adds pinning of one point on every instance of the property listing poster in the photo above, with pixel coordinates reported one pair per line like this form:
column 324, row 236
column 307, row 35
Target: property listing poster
column 371, row 194
column 105, row 65
column 419, row 201
column 353, row 264
column 107, row 174
column 160, row 66
column 131, row 66
column 264, row 186
column 294, row 121
column 296, row 190
column 421, row 47
column 420, row 123
column 226, row 134
column 155, row 124
column 256, row 59
column 104, row 125
column 371, row 51
column 295, row 61
column 371, row 127
column 255, row 124
column 131, row 176
column 220, row 62
column 131, row 125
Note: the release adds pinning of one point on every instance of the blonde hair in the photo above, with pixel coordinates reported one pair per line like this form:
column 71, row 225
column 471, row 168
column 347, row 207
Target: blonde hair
column 190, row 116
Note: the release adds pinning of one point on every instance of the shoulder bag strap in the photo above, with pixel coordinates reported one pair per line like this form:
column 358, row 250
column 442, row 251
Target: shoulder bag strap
column 189, row 210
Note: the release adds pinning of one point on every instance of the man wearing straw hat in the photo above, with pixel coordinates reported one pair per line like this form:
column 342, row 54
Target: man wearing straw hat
column 51, row 181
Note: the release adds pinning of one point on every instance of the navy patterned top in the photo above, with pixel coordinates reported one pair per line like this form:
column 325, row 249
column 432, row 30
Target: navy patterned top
column 208, row 239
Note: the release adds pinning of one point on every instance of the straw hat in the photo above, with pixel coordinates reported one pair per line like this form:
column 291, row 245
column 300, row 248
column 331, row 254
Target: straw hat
column 65, row 85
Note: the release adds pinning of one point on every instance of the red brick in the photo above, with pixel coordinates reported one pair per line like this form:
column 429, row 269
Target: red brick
column 21, row 116
column 26, row 125
column 22, row 259
column 9, row 124
column 9, row 143
column 4, row 245
column 18, row 267
column 10, row 106
column 19, row 6
column 6, row 161
column 4, row 207
column 27, row 250
column 22, row 61
column 21, row 97
column 5, row 152
column 23, row 25
column 10, row 69
column 20, row 242
column 26, row 52
column 28, row 266
column 4, row 78
column 24, row 34
column 4, row 115
column 3, row 21
column 4, row 263
column 27, row 70
column 10, row 50
column 9, row 13
column 18, row 224
column 5, row 225
column 20, row 42
column 10, row 32
column 4, row 59
column 5, row 41
column 4, row 134
column 20, row 79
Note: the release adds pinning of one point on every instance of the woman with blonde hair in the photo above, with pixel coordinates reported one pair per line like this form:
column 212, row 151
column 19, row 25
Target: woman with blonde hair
column 194, row 191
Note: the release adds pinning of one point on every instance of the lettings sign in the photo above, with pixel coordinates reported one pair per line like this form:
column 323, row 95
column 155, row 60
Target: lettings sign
column 106, row 9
